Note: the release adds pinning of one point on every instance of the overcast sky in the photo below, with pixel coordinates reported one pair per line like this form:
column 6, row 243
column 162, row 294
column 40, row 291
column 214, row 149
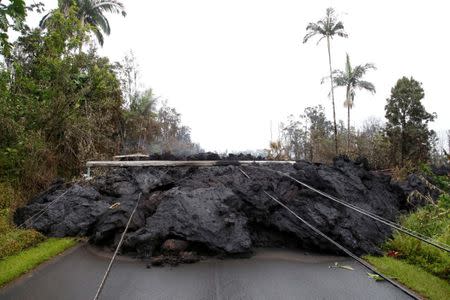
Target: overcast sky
column 231, row 67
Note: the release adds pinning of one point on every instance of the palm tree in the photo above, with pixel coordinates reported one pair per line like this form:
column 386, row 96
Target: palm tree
column 351, row 79
column 90, row 12
column 327, row 28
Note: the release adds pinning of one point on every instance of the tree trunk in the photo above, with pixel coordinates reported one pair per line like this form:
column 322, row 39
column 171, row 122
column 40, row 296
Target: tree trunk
column 332, row 98
column 402, row 147
column 348, row 129
column 80, row 47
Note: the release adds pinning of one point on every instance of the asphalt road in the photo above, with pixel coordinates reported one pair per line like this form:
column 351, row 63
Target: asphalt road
column 269, row 274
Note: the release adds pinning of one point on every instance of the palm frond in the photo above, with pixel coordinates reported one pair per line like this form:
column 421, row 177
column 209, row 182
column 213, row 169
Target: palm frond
column 321, row 38
column 365, row 85
column 341, row 34
column 324, row 79
column 330, row 13
column 309, row 35
column 98, row 34
column 111, row 6
column 339, row 26
column 312, row 27
column 43, row 22
column 97, row 19
column 360, row 70
column 340, row 81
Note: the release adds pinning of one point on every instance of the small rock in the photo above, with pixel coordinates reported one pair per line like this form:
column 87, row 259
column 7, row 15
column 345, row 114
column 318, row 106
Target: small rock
column 157, row 261
column 174, row 246
column 189, row 257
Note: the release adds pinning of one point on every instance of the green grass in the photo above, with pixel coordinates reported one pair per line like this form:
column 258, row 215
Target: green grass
column 434, row 221
column 13, row 266
column 412, row 276
column 21, row 250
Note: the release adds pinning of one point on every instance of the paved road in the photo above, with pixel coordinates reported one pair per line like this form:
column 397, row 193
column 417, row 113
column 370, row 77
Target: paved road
column 268, row 275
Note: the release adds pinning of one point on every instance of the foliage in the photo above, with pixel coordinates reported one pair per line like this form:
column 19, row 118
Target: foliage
column 412, row 276
column 149, row 126
column 351, row 79
column 407, row 126
column 12, row 16
column 309, row 136
column 16, row 265
column 328, row 27
column 9, row 196
column 442, row 182
column 433, row 221
column 371, row 142
column 13, row 240
column 59, row 107
column 90, row 13
column 276, row 151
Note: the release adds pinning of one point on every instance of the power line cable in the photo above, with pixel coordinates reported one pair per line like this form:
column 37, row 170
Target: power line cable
column 376, row 217
column 339, row 246
column 102, row 283
column 42, row 211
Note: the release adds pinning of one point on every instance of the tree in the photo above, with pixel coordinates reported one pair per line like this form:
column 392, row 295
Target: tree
column 371, row 143
column 12, row 16
column 294, row 138
column 327, row 28
column 309, row 137
column 407, row 126
column 351, row 79
column 59, row 108
column 129, row 75
column 90, row 13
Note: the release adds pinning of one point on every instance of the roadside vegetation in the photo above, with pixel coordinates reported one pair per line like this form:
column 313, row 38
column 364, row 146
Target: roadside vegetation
column 24, row 261
column 14, row 240
column 21, row 250
column 412, row 276
column 61, row 104
column 434, row 221
column 418, row 265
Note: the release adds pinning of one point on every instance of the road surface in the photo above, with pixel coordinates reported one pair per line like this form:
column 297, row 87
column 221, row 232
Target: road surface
column 270, row 274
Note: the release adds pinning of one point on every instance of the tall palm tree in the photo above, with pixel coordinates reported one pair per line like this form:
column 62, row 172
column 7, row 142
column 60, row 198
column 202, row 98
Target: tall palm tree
column 90, row 12
column 328, row 27
column 351, row 79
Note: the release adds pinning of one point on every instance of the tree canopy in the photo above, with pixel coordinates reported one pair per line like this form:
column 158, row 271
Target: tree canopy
column 408, row 120
column 90, row 13
column 328, row 27
column 352, row 79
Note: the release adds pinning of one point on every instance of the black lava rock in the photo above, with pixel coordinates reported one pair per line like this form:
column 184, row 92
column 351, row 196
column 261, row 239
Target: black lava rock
column 218, row 209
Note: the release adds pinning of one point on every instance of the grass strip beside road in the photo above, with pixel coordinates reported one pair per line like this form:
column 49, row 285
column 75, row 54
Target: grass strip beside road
column 412, row 276
column 13, row 266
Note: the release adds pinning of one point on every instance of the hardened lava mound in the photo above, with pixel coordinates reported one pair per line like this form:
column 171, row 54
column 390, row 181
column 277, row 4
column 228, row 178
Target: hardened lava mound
column 218, row 210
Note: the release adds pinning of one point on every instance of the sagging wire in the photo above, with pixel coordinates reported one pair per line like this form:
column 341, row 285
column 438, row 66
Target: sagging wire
column 371, row 215
column 339, row 246
column 108, row 269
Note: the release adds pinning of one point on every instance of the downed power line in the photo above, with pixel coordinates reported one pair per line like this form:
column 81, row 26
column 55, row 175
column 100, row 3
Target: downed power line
column 371, row 215
column 339, row 246
column 102, row 283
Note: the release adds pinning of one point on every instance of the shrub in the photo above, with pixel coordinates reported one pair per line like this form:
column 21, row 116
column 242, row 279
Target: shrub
column 432, row 221
column 13, row 240
column 8, row 195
